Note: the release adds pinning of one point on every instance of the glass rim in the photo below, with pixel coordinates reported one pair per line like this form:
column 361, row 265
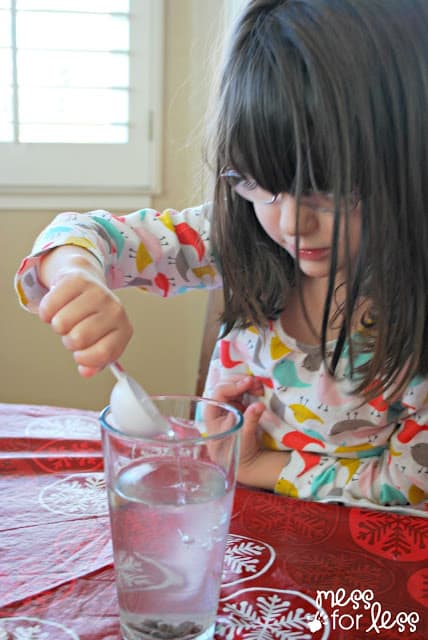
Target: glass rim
column 155, row 439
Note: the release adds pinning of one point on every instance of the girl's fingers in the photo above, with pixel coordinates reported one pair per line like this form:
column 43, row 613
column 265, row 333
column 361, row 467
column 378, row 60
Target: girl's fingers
column 53, row 301
column 67, row 289
column 252, row 415
column 250, row 447
column 87, row 372
column 109, row 348
column 235, row 387
column 89, row 304
column 94, row 328
column 75, row 290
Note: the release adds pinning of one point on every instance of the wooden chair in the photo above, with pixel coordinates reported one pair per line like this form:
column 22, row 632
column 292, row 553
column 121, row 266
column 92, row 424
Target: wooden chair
column 211, row 330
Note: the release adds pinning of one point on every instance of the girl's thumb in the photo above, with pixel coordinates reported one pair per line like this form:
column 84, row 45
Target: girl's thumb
column 252, row 414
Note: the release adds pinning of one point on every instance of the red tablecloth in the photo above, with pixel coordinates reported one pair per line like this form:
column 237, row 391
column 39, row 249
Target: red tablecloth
column 293, row 571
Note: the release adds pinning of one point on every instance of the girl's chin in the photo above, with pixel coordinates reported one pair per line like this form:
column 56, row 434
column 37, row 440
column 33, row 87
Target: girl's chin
column 312, row 273
column 315, row 269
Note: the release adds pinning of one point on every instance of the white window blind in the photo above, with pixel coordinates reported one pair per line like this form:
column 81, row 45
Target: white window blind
column 80, row 96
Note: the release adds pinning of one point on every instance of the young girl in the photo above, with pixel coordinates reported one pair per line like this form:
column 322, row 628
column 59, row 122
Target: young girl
column 318, row 233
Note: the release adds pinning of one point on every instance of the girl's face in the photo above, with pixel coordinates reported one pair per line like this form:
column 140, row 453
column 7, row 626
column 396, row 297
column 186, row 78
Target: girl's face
column 315, row 231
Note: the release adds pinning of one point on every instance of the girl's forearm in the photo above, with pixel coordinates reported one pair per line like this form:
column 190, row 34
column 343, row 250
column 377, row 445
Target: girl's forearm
column 264, row 471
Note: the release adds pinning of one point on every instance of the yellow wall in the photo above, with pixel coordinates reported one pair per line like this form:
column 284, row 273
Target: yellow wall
column 164, row 351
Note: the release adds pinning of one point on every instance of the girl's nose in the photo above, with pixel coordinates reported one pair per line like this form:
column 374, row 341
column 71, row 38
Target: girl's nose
column 307, row 222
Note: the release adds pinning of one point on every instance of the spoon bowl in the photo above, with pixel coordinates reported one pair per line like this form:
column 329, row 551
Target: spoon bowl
column 133, row 411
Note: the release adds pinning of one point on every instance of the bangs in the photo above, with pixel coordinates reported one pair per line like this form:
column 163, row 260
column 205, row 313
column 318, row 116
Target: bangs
column 284, row 161
column 275, row 124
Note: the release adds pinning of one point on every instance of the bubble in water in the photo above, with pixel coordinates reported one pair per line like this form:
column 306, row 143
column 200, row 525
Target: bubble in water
column 186, row 539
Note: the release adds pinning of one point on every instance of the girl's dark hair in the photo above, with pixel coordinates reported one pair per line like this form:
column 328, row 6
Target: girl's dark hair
column 331, row 95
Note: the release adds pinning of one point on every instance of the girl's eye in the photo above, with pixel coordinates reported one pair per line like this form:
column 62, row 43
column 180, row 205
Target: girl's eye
column 248, row 184
column 247, row 187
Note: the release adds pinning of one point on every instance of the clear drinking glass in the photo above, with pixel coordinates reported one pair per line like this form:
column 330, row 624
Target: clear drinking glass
column 170, row 502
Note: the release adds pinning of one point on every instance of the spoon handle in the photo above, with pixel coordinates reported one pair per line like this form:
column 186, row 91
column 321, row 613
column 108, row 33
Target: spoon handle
column 117, row 370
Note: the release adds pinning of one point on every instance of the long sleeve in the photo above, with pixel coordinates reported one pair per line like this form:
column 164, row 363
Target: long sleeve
column 164, row 253
column 341, row 449
column 394, row 473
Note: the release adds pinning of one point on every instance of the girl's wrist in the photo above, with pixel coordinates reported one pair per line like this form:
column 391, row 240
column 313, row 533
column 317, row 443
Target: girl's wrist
column 264, row 470
column 61, row 261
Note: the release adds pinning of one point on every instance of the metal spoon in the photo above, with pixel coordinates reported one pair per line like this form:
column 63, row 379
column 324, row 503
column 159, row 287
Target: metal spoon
column 133, row 411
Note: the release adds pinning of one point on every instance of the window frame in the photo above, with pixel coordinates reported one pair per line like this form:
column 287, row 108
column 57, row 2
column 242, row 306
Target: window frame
column 46, row 175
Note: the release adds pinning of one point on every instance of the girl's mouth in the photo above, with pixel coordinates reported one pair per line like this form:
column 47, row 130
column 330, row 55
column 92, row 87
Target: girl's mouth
column 313, row 254
column 308, row 254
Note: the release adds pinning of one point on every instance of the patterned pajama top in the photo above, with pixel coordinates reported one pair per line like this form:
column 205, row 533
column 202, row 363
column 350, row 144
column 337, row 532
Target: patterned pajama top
column 342, row 450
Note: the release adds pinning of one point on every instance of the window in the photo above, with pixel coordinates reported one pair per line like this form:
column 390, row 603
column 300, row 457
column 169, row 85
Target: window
column 80, row 96
column 232, row 8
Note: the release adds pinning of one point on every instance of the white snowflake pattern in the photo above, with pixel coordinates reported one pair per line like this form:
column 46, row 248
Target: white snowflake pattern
column 141, row 572
column 25, row 628
column 67, row 426
column 269, row 616
column 245, row 559
column 78, row 493
column 130, row 572
column 31, row 633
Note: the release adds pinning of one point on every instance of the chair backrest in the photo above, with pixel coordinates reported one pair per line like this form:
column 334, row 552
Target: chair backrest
column 210, row 334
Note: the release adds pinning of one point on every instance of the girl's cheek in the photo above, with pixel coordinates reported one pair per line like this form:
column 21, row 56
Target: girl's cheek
column 270, row 225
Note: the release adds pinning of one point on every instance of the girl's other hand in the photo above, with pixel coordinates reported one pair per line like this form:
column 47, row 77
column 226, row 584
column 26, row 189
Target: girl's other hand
column 235, row 388
column 233, row 391
column 258, row 467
